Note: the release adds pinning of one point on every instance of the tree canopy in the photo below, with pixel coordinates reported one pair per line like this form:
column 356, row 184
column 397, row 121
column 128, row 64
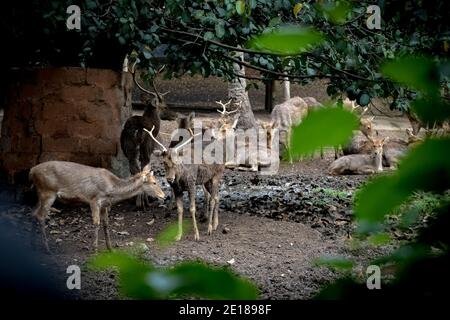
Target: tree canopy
column 201, row 37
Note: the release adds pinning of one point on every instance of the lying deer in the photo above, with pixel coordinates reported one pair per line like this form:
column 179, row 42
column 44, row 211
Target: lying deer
column 396, row 148
column 361, row 163
column 184, row 177
column 361, row 143
column 95, row 186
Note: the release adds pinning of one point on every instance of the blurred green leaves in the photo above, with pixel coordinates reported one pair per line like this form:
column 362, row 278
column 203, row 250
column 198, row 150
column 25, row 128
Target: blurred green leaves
column 328, row 126
column 286, row 40
column 140, row 280
column 338, row 263
column 425, row 168
column 167, row 236
column 335, row 11
column 416, row 72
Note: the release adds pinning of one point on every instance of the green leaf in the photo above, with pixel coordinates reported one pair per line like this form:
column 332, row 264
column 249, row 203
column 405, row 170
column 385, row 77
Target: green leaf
column 220, row 30
column 297, row 8
column 431, row 110
column 287, row 40
column 335, row 263
column 336, row 11
column 138, row 279
column 379, row 239
column 327, row 126
column 208, row 35
column 418, row 73
column 417, row 172
column 240, row 7
column 167, row 236
column 199, row 279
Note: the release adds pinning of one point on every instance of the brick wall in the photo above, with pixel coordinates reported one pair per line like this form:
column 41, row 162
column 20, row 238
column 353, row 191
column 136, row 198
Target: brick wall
column 71, row 114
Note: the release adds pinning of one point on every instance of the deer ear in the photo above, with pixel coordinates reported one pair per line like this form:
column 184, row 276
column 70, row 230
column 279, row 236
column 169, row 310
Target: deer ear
column 157, row 153
column 147, row 169
column 191, row 116
column 233, row 126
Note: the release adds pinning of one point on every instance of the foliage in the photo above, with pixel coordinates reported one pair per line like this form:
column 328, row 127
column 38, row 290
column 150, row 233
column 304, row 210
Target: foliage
column 309, row 135
column 140, row 280
column 200, row 37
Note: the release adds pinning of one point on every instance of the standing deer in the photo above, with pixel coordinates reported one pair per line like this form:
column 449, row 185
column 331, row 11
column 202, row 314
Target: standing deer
column 361, row 163
column 136, row 145
column 184, row 177
column 95, row 186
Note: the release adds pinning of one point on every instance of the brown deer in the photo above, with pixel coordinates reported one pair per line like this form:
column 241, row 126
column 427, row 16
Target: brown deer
column 95, row 186
column 184, row 177
column 396, row 148
column 136, row 145
column 361, row 163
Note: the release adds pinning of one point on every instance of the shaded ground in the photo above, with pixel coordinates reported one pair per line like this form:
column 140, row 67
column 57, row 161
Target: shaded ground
column 274, row 227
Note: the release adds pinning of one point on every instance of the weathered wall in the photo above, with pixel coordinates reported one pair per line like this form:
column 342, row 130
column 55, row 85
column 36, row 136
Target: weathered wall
column 71, row 114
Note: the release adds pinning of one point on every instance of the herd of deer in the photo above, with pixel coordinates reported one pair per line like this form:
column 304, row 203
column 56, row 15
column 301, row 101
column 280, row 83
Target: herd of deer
column 365, row 154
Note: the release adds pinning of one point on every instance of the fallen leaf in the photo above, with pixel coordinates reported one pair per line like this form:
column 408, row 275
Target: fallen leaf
column 231, row 262
column 123, row 233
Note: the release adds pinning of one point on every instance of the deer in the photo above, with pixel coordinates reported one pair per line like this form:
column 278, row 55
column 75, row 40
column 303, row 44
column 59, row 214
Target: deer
column 136, row 145
column 396, row 148
column 97, row 187
column 361, row 163
column 184, row 177
column 286, row 115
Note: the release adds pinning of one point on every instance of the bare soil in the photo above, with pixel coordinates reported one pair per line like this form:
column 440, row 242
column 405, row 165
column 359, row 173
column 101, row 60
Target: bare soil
column 273, row 227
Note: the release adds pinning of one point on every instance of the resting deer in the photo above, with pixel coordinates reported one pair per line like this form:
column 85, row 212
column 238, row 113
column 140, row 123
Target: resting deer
column 184, row 177
column 396, row 148
column 361, row 163
column 95, row 186
column 136, row 145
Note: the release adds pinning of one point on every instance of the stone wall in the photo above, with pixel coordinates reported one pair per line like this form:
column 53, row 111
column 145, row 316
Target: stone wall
column 71, row 114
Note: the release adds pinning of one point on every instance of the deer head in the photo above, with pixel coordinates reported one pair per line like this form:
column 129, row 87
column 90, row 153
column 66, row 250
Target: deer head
column 150, row 184
column 366, row 126
column 157, row 99
column 171, row 157
column 377, row 151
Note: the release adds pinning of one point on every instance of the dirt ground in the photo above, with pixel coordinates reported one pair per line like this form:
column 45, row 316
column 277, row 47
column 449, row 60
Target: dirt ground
column 273, row 227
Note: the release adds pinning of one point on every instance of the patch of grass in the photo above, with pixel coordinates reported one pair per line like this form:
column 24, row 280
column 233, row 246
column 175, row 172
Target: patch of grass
column 332, row 193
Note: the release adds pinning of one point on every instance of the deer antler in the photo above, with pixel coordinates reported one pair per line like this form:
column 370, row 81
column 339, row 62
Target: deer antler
column 164, row 149
column 159, row 95
column 138, row 84
column 224, row 107
column 186, row 142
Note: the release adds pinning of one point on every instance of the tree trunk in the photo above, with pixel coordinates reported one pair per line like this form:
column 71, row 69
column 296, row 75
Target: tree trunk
column 269, row 98
column 237, row 92
column 286, row 88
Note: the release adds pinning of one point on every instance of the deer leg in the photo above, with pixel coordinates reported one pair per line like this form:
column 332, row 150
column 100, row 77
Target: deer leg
column 321, row 153
column 105, row 217
column 192, row 211
column 96, row 219
column 172, row 204
column 288, row 139
column 215, row 209
column 41, row 213
column 179, row 201
column 204, row 214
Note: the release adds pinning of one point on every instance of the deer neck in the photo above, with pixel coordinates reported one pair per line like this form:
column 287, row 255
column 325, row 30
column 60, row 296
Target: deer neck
column 378, row 162
column 126, row 188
